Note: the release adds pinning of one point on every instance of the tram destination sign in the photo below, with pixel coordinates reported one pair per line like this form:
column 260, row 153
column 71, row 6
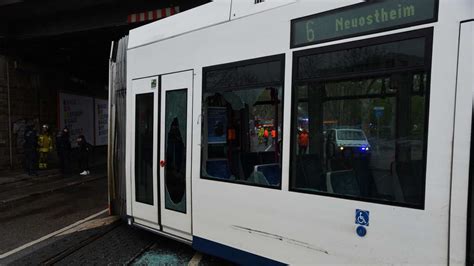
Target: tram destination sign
column 359, row 19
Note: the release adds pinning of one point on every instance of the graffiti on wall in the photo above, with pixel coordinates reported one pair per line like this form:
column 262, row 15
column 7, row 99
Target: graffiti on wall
column 18, row 130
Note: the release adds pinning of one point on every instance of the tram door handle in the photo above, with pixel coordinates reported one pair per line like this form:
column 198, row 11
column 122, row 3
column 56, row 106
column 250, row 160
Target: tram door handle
column 162, row 163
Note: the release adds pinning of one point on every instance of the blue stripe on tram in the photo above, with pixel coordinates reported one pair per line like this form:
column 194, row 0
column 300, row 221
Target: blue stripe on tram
column 232, row 254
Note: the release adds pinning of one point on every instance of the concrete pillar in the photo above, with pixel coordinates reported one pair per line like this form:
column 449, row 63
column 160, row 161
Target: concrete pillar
column 5, row 159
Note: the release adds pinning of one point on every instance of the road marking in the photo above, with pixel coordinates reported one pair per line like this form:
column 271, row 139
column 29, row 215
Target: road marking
column 195, row 260
column 91, row 225
column 11, row 252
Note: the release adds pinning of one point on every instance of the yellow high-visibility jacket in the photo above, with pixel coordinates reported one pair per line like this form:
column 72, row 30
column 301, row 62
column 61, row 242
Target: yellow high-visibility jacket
column 45, row 143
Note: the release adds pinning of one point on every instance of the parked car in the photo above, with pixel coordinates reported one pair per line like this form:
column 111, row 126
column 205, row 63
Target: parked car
column 346, row 141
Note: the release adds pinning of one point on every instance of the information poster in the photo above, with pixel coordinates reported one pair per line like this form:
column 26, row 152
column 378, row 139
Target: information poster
column 77, row 113
column 217, row 125
column 101, row 122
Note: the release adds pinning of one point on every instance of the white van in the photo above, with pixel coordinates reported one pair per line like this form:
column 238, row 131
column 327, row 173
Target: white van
column 339, row 141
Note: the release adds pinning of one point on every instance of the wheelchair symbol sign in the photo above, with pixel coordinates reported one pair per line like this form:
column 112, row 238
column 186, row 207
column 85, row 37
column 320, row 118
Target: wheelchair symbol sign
column 362, row 217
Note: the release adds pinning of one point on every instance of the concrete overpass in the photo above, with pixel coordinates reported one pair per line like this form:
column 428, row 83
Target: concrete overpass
column 52, row 46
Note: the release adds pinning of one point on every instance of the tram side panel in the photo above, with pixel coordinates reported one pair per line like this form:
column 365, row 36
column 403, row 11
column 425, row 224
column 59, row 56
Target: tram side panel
column 462, row 155
column 294, row 227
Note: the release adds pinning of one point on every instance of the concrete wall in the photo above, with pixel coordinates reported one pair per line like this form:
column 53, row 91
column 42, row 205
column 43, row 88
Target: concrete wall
column 4, row 150
column 33, row 99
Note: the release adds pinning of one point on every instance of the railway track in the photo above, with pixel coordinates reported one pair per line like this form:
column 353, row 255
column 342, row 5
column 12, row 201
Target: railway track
column 56, row 258
column 109, row 241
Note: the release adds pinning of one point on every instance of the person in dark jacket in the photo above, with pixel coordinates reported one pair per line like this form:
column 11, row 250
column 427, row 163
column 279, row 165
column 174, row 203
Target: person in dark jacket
column 175, row 163
column 31, row 150
column 63, row 147
column 84, row 151
column 175, row 148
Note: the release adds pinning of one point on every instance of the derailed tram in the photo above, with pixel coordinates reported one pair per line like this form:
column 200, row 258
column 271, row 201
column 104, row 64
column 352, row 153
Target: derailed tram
column 303, row 131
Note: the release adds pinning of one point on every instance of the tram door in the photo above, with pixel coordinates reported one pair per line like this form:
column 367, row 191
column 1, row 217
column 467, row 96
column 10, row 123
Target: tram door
column 143, row 157
column 175, row 153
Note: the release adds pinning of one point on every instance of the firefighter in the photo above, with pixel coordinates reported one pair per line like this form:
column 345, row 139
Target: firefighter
column 260, row 134
column 265, row 136
column 303, row 141
column 31, row 150
column 45, row 146
column 274, row 135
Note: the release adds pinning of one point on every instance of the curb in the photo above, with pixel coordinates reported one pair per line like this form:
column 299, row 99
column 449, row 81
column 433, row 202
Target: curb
column 38, row 193
column 23, row 177
column 30, row 178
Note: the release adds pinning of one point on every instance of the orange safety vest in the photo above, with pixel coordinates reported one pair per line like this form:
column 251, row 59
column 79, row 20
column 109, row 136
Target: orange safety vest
column 274, row 133
column 265, row 133
column 231, row 134
column 303, row 139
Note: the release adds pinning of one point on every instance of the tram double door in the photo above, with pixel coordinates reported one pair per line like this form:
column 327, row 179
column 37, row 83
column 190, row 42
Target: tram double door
column 161, row 164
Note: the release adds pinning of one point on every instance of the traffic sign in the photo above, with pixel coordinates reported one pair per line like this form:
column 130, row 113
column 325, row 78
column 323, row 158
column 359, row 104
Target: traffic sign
column 362, row 217
column 379, row 111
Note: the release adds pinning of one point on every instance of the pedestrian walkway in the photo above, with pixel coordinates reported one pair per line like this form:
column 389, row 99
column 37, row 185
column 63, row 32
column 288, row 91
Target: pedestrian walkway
column 11, row 178
column 16, row 186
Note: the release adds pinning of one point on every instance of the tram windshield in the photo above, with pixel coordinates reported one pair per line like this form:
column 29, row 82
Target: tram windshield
column 360, row 132
column 351, row 135
column 242, row 124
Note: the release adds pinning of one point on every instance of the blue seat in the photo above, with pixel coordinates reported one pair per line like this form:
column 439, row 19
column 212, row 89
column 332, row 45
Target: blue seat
column 343, row 183
column 272, row 173
column 218, row 169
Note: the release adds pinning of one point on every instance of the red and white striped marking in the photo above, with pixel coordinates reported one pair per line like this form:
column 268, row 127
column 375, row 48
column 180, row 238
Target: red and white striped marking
column 152, row 14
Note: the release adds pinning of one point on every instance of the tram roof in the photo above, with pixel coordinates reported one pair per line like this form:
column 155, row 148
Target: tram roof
column 200, row 17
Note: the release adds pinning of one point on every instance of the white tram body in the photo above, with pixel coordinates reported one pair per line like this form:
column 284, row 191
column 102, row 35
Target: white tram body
column 202, row 83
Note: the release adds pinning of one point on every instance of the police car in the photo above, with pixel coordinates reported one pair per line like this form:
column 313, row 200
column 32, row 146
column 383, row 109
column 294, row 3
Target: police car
column 344, row 141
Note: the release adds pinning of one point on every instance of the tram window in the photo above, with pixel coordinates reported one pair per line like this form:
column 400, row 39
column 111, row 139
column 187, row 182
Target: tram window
column 243, row 76
column 362, row 136
column 144, row 148
column 242, row 125
column 401, row 54
column 175, row 147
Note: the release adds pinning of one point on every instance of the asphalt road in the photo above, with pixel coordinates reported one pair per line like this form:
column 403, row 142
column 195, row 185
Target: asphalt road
column 31, row 219
column 96, row 242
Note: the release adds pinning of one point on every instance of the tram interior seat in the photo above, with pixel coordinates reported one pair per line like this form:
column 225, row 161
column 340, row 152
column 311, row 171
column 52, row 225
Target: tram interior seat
column 410, row 176
column 356, row 172
column 361, row 168
column 310, row 172
column 218, row 168
column 251, row 159
column 258, row 178
column 343, row 182
column 271, row 173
